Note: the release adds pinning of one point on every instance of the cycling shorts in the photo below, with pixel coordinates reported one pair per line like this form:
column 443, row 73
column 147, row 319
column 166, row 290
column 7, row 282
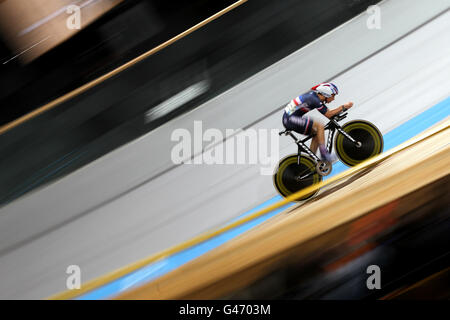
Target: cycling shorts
column 302, row 125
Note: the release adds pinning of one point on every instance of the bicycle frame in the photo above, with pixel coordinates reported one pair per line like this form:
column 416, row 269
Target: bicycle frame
column 331, row 126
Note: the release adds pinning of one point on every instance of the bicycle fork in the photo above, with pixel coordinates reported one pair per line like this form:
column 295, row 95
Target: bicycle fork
column 345, row 134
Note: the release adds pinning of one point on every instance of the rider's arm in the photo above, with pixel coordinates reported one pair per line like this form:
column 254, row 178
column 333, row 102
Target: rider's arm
column 331, row 113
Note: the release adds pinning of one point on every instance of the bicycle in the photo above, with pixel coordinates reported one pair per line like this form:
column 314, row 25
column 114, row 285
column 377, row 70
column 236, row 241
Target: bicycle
column 356, row 141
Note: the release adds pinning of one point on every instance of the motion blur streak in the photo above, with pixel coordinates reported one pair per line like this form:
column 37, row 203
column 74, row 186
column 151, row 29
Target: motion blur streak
column 134, row 202
column 110, row 74
column 177, row 100
column 26, row 22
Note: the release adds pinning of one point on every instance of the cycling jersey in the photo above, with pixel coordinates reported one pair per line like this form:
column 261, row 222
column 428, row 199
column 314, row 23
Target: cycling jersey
column 305, row 103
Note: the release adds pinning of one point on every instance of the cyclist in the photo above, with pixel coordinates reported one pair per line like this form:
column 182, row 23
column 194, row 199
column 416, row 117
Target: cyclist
column 316, row 98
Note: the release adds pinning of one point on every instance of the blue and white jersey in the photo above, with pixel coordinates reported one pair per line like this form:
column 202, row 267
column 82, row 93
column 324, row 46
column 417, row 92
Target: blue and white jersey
column 305, row 103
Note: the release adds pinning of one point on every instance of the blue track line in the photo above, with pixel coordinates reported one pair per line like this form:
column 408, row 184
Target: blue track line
column 148, row 273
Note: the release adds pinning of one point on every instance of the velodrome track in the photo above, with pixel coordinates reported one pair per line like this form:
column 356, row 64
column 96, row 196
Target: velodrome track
column 389, row 186
column 103, row 225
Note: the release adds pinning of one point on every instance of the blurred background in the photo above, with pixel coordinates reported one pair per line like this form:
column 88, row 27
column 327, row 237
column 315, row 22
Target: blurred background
column 90, row 181
column 220, row 55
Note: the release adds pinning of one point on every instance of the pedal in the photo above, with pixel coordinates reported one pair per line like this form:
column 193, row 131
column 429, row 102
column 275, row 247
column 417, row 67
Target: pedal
column 324, row 168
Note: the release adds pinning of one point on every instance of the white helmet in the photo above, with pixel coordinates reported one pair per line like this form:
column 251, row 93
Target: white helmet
column 326, row 89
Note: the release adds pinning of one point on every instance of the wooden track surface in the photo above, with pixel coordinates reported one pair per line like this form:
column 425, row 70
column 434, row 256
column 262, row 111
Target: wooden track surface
column 397, row 176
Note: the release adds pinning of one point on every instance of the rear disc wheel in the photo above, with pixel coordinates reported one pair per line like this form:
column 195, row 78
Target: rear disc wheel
column 291, row 177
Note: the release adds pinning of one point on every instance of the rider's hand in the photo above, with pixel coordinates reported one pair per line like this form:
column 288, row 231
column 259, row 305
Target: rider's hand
column 348, row 105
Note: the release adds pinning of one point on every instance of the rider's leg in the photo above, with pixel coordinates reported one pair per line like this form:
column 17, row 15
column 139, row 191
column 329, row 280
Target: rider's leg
column 306, row 126
column 319, row 138
column 314, row 143
column 319, row 142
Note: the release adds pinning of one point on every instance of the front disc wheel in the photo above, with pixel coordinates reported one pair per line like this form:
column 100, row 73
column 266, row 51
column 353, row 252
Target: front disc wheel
column 369, row 142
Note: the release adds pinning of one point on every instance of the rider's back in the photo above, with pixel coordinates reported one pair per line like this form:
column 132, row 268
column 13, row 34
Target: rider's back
column 305, row 103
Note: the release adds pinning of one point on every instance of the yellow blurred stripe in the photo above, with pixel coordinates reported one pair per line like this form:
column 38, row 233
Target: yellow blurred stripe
column 114, row 72
column 69, row 294
column 399, row 292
